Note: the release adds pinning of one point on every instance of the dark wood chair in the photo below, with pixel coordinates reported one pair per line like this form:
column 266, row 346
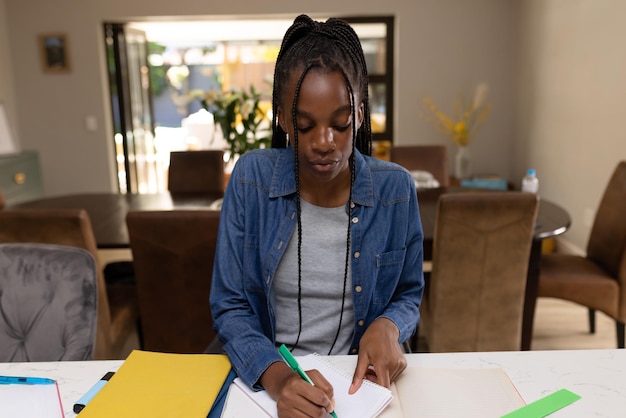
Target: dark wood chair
column 173, row 253
column 474, row 298
column 196, row 172
column 117, row 305
column 596, row 280
column 431, row 158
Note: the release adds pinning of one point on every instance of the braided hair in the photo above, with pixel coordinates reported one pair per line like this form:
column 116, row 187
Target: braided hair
column 326, row 47
column 329, row 46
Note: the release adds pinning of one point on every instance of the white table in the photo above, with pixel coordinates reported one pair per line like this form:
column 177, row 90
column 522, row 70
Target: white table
column 599, row 376
column 73, row 377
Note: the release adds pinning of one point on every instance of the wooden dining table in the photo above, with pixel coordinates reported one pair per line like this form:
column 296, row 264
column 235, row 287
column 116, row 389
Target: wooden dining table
column 107, row 212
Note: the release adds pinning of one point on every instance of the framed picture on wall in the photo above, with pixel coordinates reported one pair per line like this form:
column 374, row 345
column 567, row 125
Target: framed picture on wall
column 55, row 57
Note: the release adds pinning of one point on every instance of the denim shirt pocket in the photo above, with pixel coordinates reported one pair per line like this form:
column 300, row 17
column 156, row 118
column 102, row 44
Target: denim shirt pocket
column 388, row 270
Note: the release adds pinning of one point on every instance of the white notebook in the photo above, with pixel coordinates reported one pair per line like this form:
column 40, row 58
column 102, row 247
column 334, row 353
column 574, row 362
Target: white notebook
column 367, row 402
column 31, row 401
column 443, row 393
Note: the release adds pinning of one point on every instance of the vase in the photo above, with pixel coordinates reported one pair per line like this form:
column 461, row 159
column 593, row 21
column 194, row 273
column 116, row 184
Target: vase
column 462, row 163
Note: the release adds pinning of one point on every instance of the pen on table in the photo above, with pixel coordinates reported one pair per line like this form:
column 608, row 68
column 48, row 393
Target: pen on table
column 82, row 402
column 291, row 361
column 17, row 380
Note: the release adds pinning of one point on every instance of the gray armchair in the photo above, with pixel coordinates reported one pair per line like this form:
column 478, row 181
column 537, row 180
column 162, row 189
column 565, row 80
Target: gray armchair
column 48, row 303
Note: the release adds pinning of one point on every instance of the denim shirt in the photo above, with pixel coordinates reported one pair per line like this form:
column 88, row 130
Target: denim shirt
column 258, row 219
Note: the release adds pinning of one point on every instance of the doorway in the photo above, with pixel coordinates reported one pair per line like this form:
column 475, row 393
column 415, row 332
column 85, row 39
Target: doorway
column 152, row 87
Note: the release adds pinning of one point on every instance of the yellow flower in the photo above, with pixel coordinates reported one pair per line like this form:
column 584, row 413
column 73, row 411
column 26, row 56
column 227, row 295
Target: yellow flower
column 461, row 136
column 467, row 119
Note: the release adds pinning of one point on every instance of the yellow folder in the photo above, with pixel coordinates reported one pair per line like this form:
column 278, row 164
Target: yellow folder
column 150, row 384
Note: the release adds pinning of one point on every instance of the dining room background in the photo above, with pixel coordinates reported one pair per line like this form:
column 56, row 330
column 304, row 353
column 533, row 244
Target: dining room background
column 554, row 68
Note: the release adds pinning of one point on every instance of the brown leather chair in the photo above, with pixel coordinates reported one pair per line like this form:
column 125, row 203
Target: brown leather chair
column 173, row 253
column 117, row 306
column 196, row 172
column 431, row 158
column 475, row 295
column 598, row 279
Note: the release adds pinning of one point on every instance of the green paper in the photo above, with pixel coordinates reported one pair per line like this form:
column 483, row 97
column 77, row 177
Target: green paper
column 545, row 406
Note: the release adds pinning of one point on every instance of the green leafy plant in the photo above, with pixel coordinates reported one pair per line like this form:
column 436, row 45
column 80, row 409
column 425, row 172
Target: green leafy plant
column 241, row 115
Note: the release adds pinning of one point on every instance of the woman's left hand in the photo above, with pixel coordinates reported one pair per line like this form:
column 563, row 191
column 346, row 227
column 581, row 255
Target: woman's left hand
column 381, row 358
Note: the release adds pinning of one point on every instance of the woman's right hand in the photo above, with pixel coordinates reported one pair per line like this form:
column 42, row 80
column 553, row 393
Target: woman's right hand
column 294, row 396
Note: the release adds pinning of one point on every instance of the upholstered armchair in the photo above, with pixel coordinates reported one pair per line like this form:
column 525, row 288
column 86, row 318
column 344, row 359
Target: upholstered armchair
column 48, row 303
column 117, row 306
column 596, row 280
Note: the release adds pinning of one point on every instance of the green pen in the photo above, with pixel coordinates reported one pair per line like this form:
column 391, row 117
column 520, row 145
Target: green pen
column 291, row 361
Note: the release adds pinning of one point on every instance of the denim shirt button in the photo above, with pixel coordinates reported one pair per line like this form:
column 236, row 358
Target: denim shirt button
column 361, row 323
column 352, row 205
column 353, row 351
column 358, row 289
column 268, row 279
column 355, row 220
column 357, row 254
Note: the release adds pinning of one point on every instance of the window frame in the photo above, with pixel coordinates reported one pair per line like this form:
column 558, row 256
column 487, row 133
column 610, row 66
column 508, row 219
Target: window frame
column 387, row 79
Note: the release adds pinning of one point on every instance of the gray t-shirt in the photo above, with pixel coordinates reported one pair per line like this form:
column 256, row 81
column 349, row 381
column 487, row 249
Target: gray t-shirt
column 323, row 255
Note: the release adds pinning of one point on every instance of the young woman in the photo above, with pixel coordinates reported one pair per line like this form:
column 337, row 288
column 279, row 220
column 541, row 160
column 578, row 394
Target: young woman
column 320, row 245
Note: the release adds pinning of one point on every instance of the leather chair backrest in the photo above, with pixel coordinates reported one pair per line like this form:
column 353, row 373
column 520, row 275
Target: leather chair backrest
column 607, row 240
column 431, row 158
column 481, row 250
column 48, row 299
column 173, row 253
column 196, row 171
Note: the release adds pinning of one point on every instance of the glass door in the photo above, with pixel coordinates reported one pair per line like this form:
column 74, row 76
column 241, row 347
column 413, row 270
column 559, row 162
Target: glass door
column 131, row 100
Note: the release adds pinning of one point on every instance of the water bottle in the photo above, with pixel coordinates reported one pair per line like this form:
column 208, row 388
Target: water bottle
column 530, row 182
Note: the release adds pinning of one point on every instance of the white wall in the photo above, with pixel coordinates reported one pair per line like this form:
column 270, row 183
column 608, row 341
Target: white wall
column 556, row 69
column 442, row 48
column 572, row 101
column 7, row 92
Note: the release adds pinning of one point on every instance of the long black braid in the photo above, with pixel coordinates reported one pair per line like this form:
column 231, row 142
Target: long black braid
column 326, row 47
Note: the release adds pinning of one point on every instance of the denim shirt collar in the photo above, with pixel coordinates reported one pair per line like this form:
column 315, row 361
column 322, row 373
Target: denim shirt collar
column 284, row 182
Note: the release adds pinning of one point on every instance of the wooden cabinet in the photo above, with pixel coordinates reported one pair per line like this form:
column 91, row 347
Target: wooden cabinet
column 20, row 177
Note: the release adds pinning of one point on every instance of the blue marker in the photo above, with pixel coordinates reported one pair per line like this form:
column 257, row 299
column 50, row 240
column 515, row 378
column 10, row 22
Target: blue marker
column 82, row 402
column 16, row 380
column 293, row 363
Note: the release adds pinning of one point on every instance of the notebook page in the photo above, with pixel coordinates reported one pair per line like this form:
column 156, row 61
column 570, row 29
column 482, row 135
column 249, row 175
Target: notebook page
column 394, row 409
column 469, row 393
column 367, row 402
column 30, row 401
